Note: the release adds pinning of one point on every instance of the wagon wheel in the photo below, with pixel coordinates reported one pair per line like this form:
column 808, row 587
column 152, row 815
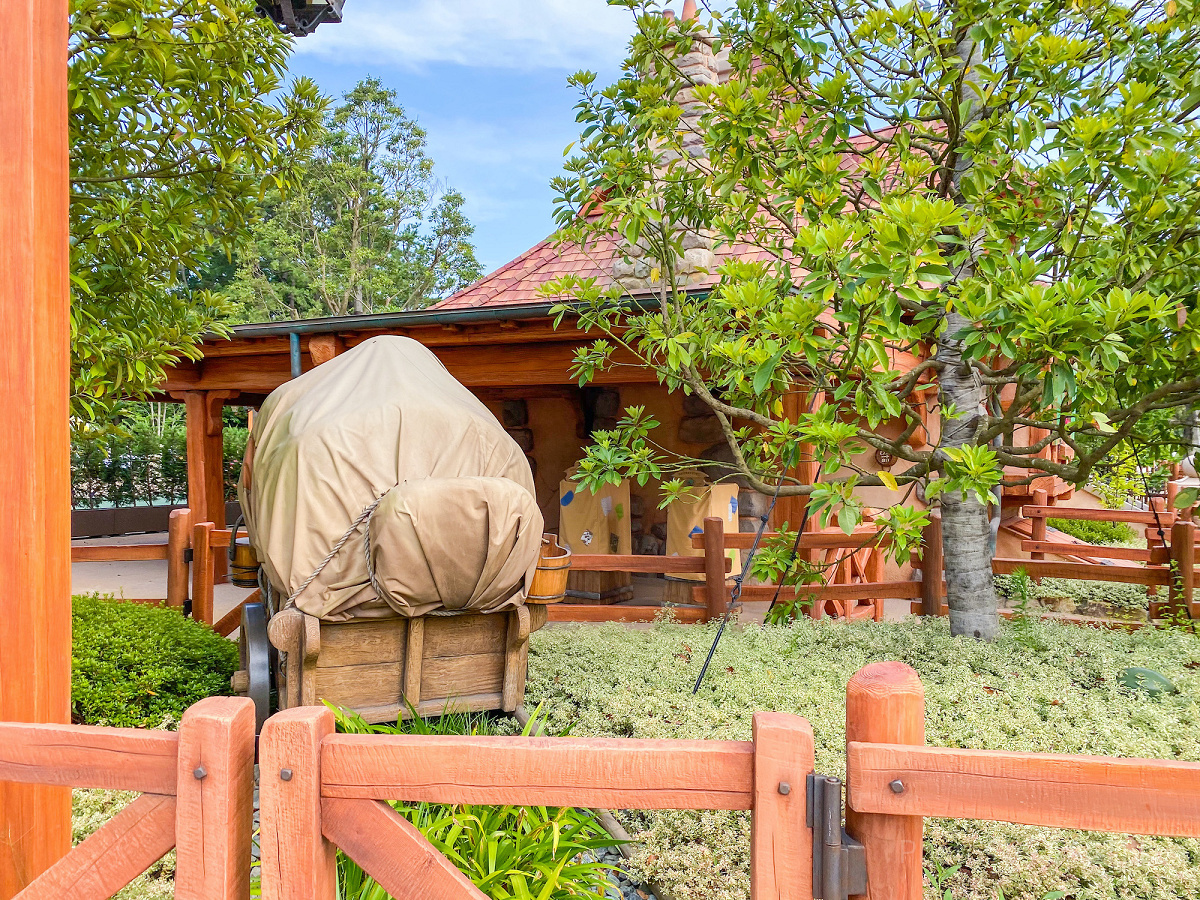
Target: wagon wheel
column 253, row 679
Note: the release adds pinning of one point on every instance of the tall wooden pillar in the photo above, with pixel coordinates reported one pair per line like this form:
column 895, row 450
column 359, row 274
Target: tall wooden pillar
column 206, row 460
column 791, row 509
column 35, row 479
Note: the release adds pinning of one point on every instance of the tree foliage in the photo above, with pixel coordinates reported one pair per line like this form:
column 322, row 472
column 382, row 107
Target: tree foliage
column 988, row 208
column 173, row 139
column 369, row 227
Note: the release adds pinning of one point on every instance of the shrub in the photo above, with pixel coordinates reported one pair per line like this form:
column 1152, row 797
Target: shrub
column 1095, row 532
column 1056, row 693
column 507, row 851
column 141, row 666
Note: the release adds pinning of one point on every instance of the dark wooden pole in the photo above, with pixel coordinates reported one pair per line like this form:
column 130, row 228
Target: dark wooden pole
column 715, row 595
column 931, row 565
column 35, row 480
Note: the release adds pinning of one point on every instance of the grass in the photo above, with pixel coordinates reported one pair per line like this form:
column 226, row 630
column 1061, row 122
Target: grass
column 1045, row 688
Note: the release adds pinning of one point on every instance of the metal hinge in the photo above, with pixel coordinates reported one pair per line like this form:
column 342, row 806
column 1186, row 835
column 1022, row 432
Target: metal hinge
column 839, row 861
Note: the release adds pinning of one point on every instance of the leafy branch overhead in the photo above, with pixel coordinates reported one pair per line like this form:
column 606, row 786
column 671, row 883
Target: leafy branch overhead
column 960, row 232
column 179, row 125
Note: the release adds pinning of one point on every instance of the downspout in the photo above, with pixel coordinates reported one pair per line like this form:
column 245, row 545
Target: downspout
column 294, row 346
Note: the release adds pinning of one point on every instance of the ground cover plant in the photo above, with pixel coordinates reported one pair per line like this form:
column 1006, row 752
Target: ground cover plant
column 141, row 666
column 1040, row 687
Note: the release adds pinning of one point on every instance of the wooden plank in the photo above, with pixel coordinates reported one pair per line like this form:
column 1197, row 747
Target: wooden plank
column 393, row 852
column 35, row 486
column 88, row 756
column 780, row 842
column 1081, row 571
column 1093, row 551
column 202, row 573
column 585, row 612
column 355, row 686
column 359, row 643
column 667, row 565
column 112, row 856
column 452, row 676
column 818, row 540
column 716, row 564
column 933, row 585
column 1092, row 793
column 220, row 538
column 298, row 862
column 179, row 538
column 1134, row 516
column 886, row 702
column 516, row 659
column 536, row 771
column 901, row 590
column 459, row 635
column 214, row 817
column 414, row 661
column 118, row 553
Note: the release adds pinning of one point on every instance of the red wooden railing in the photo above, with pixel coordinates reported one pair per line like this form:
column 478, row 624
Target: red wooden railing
column 197, row 795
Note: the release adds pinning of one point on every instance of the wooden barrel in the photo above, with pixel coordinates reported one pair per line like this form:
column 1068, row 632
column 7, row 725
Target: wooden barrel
column 550, row 580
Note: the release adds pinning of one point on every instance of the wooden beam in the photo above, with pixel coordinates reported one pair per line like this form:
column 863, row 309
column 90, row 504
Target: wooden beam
column 537, row 771
column 118, row 552
column 613, row 562
column 110, row 858
column 35, row 487
column 1134, row 516
column 1082, row 571
column 1092, row 793
column 820, row 540
column 1093, row 551
column 604, row 612
column 392, row 851
column 87, row 756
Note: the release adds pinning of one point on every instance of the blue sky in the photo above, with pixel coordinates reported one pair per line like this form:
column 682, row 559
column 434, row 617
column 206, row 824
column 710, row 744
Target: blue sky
column 487, row 80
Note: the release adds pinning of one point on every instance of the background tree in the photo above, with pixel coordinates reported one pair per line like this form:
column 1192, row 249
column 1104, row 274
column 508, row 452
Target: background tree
column 369, row 228
column 1004, row 191
column 174, row 138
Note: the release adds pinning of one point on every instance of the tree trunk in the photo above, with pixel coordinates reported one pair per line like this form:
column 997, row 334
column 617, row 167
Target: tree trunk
column 966, row 545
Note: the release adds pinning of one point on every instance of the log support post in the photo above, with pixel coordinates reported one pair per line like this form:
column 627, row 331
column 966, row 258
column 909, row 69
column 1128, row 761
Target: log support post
column 206, row 461
column 1037, row 524
column 298, row 861
column 1180, row 602
column 931, row 565
column 202, row 572
column 179, row 539
column 35, row 477
column 885, row 704
column 714, row 567
column 781, row 846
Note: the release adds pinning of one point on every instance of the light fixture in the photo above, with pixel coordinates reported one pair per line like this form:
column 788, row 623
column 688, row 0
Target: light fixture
column 301, row 17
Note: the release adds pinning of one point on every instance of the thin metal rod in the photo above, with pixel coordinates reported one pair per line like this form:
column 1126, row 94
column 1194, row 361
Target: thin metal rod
column 294, row 345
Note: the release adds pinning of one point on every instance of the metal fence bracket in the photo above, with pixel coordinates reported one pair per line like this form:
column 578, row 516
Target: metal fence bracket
column 839, row 861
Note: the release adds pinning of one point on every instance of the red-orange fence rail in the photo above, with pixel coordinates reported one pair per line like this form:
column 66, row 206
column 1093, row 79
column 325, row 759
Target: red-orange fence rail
column 320, row 790
column 197, row 795
column 893, row 782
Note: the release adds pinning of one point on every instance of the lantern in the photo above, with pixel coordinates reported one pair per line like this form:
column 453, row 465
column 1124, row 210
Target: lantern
column 301, row 17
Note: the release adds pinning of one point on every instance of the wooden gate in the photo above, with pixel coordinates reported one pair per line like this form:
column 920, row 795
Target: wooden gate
column 197, row 795
column 320, row 790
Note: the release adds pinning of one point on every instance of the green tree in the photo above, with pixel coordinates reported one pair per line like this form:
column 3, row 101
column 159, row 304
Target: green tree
column 369, row 229
column 1004, row 192
column 174, row 138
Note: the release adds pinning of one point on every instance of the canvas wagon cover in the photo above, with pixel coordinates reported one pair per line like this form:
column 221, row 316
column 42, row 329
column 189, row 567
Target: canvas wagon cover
column 459, row 527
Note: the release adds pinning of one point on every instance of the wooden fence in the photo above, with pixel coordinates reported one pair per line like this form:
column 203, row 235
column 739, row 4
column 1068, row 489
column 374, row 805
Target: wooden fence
column 197, row 795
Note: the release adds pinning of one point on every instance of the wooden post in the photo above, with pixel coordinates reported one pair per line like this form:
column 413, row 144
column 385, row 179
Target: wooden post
column 214, row 813
column 298, row 863
column 35, row 478
column 1037, row 524
column 885, row 704
column 714, row 567
column 1183, row 559
column 179, row 538
column 780, row 844
column 202, row 572
column 206, row 460
column 931, row 565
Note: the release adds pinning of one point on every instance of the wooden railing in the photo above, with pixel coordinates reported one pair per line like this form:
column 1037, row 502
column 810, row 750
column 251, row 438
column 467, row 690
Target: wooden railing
column 197, row 795
column 894, row 782
column 191, row 552
column 320, row 790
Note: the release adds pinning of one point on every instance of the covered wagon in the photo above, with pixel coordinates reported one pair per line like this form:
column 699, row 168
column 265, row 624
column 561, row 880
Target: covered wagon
column 399, row 539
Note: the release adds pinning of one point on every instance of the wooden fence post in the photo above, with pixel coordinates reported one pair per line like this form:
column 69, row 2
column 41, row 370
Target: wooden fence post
column 1037, row 524
column 1183, row 569
column 931, row 565
column 780, row 843
column 298, row 862
column 714, row 567
column 179, row 538
column 885, row 704
column 214, row 813
column 202, row 572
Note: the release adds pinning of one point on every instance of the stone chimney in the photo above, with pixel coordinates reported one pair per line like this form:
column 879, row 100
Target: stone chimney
column 698, row 66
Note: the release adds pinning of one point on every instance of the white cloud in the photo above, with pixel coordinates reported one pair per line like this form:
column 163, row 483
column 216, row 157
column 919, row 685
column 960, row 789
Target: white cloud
column 513, row 34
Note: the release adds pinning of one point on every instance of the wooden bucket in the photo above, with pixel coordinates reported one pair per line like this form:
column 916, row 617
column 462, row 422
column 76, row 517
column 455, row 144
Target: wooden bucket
column 550, row 580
